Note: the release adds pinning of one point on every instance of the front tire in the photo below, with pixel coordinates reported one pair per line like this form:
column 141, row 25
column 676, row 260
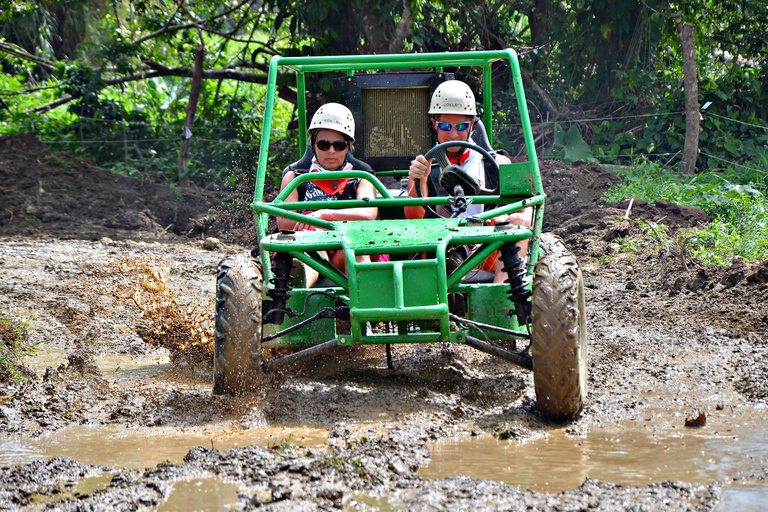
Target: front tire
column 237, row 354
column 559, row 331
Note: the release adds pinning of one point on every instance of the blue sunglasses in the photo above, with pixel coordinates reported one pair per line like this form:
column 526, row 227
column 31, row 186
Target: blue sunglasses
column 446, row 127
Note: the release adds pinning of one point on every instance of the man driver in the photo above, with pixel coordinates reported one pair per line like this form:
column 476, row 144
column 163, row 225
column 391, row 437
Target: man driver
column 452, row 110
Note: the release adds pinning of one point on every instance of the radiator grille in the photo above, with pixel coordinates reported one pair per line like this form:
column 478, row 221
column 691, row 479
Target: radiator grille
column 395, row 121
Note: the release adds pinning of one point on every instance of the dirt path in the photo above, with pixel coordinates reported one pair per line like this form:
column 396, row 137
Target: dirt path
column 668, row 340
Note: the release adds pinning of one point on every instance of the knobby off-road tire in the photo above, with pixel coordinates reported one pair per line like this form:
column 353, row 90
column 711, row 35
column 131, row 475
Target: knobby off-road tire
column 559, row 331
column 237, row 354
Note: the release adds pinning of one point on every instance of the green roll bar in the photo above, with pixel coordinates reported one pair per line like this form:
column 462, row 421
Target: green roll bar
column 351, row 63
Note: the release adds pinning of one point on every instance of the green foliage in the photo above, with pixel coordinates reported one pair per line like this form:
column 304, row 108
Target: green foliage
column 713, row 192
column 570, row 147
column 740, row 227
column 627, row 244
column 742, row 230
column 612, row 66
column 14, row 346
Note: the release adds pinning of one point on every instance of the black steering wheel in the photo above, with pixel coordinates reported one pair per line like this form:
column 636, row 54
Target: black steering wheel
column 452, row 175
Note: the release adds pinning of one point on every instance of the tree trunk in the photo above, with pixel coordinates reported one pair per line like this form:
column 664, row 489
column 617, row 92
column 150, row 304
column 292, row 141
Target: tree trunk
column 194, row 94
column 687, row 32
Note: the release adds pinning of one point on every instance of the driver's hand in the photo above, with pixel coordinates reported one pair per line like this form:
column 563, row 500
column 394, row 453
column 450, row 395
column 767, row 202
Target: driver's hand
column 317, row 214
column 419, row 168
column 497, row 220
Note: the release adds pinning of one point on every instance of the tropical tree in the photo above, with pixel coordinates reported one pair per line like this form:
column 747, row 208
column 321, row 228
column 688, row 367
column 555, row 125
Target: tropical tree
column 609, row 67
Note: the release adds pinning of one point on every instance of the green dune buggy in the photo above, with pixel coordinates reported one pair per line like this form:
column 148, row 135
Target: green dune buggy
column 419, row 293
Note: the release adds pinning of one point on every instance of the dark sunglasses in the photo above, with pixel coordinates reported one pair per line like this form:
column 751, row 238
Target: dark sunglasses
column 338, row 145
column 446, row 127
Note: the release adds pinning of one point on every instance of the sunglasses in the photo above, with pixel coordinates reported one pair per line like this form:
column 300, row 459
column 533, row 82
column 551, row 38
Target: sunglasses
column 338, row 145
column 446, row 127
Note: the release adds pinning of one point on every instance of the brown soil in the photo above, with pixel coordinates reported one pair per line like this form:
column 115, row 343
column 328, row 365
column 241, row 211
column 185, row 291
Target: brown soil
column 78, row 253
column 48, row 194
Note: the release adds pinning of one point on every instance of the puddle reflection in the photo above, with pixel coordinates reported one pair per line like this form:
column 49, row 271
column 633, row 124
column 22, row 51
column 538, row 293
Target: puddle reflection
column 743, row 499
column 209, row 493
column 111, row 365
column 561, row 462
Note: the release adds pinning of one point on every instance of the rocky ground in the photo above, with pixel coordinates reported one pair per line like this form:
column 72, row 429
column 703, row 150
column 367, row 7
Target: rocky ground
column 107, row 265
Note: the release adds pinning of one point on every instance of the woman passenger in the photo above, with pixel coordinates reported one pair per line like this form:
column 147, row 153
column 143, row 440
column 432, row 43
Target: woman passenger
column 331, row 134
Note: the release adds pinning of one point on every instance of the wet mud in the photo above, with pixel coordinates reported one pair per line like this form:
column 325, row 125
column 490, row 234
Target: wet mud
column 669, row 340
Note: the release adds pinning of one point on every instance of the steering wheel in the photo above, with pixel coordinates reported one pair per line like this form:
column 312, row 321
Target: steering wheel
column 452, row 175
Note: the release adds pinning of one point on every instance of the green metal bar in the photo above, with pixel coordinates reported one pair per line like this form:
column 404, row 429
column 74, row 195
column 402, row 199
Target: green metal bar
column 301, row 106
column 487, row 105
column 513, row 235
column 296, row 217
column 394, row 314
column 522, row 106
column 442, row 275
column 473, row 261
column 261, row 220
column 324, row 267
column 433, row 60
column 274, row 244
column 356, row 328
column 398, row 284
column 512, row 207
column 533, row 250
column 411, row 264
column 404, row 249
column 315, row 68
column 442, row 287
column 406, row 201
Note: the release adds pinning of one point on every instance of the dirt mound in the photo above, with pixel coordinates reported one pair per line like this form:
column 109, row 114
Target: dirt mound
column 47, row 193
column 575, row 201
column 50, row 194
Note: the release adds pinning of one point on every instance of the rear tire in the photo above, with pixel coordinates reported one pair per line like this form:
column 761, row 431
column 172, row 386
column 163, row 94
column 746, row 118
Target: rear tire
column 237, row 354
column 559, row 331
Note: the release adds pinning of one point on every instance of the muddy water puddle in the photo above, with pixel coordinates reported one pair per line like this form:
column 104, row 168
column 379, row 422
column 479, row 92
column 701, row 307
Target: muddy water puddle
column 112, row 366
column 205, row 493
column 636, row 452
column 635, row 455
column 115, row 446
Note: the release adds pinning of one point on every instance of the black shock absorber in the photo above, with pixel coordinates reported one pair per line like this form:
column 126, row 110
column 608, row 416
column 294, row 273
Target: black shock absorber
column 282, row 263
column 519, row 295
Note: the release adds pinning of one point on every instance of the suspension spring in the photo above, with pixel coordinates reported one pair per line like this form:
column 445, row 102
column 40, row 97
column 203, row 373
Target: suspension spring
column 519, row 295
column 282, row 263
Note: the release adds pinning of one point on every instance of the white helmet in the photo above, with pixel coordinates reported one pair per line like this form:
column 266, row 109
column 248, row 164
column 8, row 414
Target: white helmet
column 334, row 116
column 453, row 97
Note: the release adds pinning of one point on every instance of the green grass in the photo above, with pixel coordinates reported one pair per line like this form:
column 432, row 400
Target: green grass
column 739, row 231
column 738, row 203
column 14, row 346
